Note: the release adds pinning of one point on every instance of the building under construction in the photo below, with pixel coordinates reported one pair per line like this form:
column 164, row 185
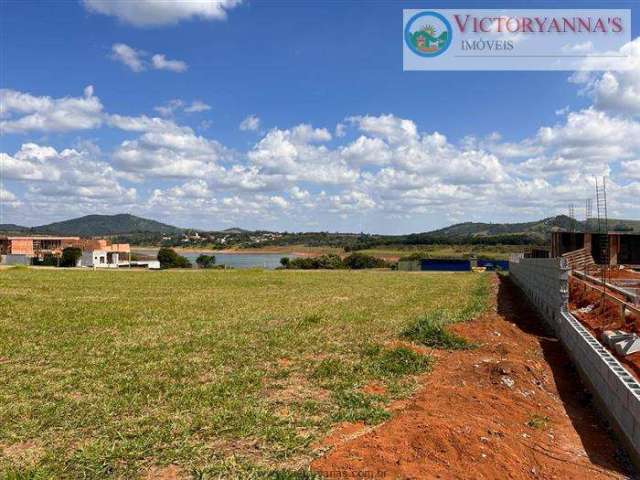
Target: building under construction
column 612, row 248
column 27, row 250
column 37, row 246
column 604, row 281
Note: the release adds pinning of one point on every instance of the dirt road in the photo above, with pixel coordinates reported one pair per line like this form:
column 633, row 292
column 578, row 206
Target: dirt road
column 512, row 408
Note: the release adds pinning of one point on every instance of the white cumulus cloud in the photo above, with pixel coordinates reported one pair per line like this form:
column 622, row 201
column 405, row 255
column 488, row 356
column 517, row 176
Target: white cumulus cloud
column 150, row 13
column 72, row 173
column 616, row 90
column 22, row 112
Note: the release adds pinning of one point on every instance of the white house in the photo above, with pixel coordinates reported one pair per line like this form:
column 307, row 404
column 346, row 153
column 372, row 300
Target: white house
column 100, row 259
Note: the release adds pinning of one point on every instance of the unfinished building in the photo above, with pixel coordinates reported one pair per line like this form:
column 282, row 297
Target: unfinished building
column 604, row 287
column 35, row 246
column 612, row 248
column 98, row 253
column 587, row 286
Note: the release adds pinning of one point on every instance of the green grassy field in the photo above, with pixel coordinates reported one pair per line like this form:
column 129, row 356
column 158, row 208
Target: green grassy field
column 227, row 373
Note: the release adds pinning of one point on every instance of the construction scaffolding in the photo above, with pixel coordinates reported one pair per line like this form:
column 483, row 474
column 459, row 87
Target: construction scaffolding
column 603, row 246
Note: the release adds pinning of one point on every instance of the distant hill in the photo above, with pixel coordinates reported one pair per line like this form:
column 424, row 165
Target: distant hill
column 236, row 230
column 12, row 228
column 539, row 229
column 97, row 225
column 129, row 228
column 616, row 224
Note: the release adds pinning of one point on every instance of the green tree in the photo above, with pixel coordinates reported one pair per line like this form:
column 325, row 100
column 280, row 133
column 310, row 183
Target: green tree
column 168, row 258
column 206, row 261
column 70, row 257
column 182, row 262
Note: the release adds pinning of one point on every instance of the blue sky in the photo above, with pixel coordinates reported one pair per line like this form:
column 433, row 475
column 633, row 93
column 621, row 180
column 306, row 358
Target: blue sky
column 294, row 115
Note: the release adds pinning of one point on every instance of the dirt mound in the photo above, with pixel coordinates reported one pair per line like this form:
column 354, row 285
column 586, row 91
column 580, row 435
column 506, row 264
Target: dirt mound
column 512, row 408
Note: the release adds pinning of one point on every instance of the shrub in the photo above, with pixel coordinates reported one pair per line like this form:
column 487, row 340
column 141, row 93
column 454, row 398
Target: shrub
column 358, row 261
column 70, row 257
column 326, row 262
column 332, row 261
column 48, row 260
column 182, row 262
column 329, row 262
column 168, row 258
column 206, row 261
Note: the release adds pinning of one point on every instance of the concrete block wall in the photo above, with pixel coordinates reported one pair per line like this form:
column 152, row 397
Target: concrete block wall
column 617, row 392
column 544, row 282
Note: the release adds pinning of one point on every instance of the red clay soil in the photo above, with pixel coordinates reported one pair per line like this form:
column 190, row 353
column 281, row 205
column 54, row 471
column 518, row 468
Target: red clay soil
column 604, row 314
column 512, row 408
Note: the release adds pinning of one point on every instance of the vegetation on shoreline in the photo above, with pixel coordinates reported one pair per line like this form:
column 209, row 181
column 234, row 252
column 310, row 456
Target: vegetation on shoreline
column 168, row 258
column 206, row 261
column 355, row 261
column 218, row 372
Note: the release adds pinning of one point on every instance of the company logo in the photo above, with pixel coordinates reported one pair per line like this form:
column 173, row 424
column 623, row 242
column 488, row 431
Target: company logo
column 428, row 34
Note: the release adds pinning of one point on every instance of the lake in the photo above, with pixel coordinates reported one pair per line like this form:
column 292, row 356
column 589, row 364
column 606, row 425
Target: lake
column 244, row 260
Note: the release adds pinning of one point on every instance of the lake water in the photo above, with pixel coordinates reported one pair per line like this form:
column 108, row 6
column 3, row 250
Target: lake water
column 244, row 260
